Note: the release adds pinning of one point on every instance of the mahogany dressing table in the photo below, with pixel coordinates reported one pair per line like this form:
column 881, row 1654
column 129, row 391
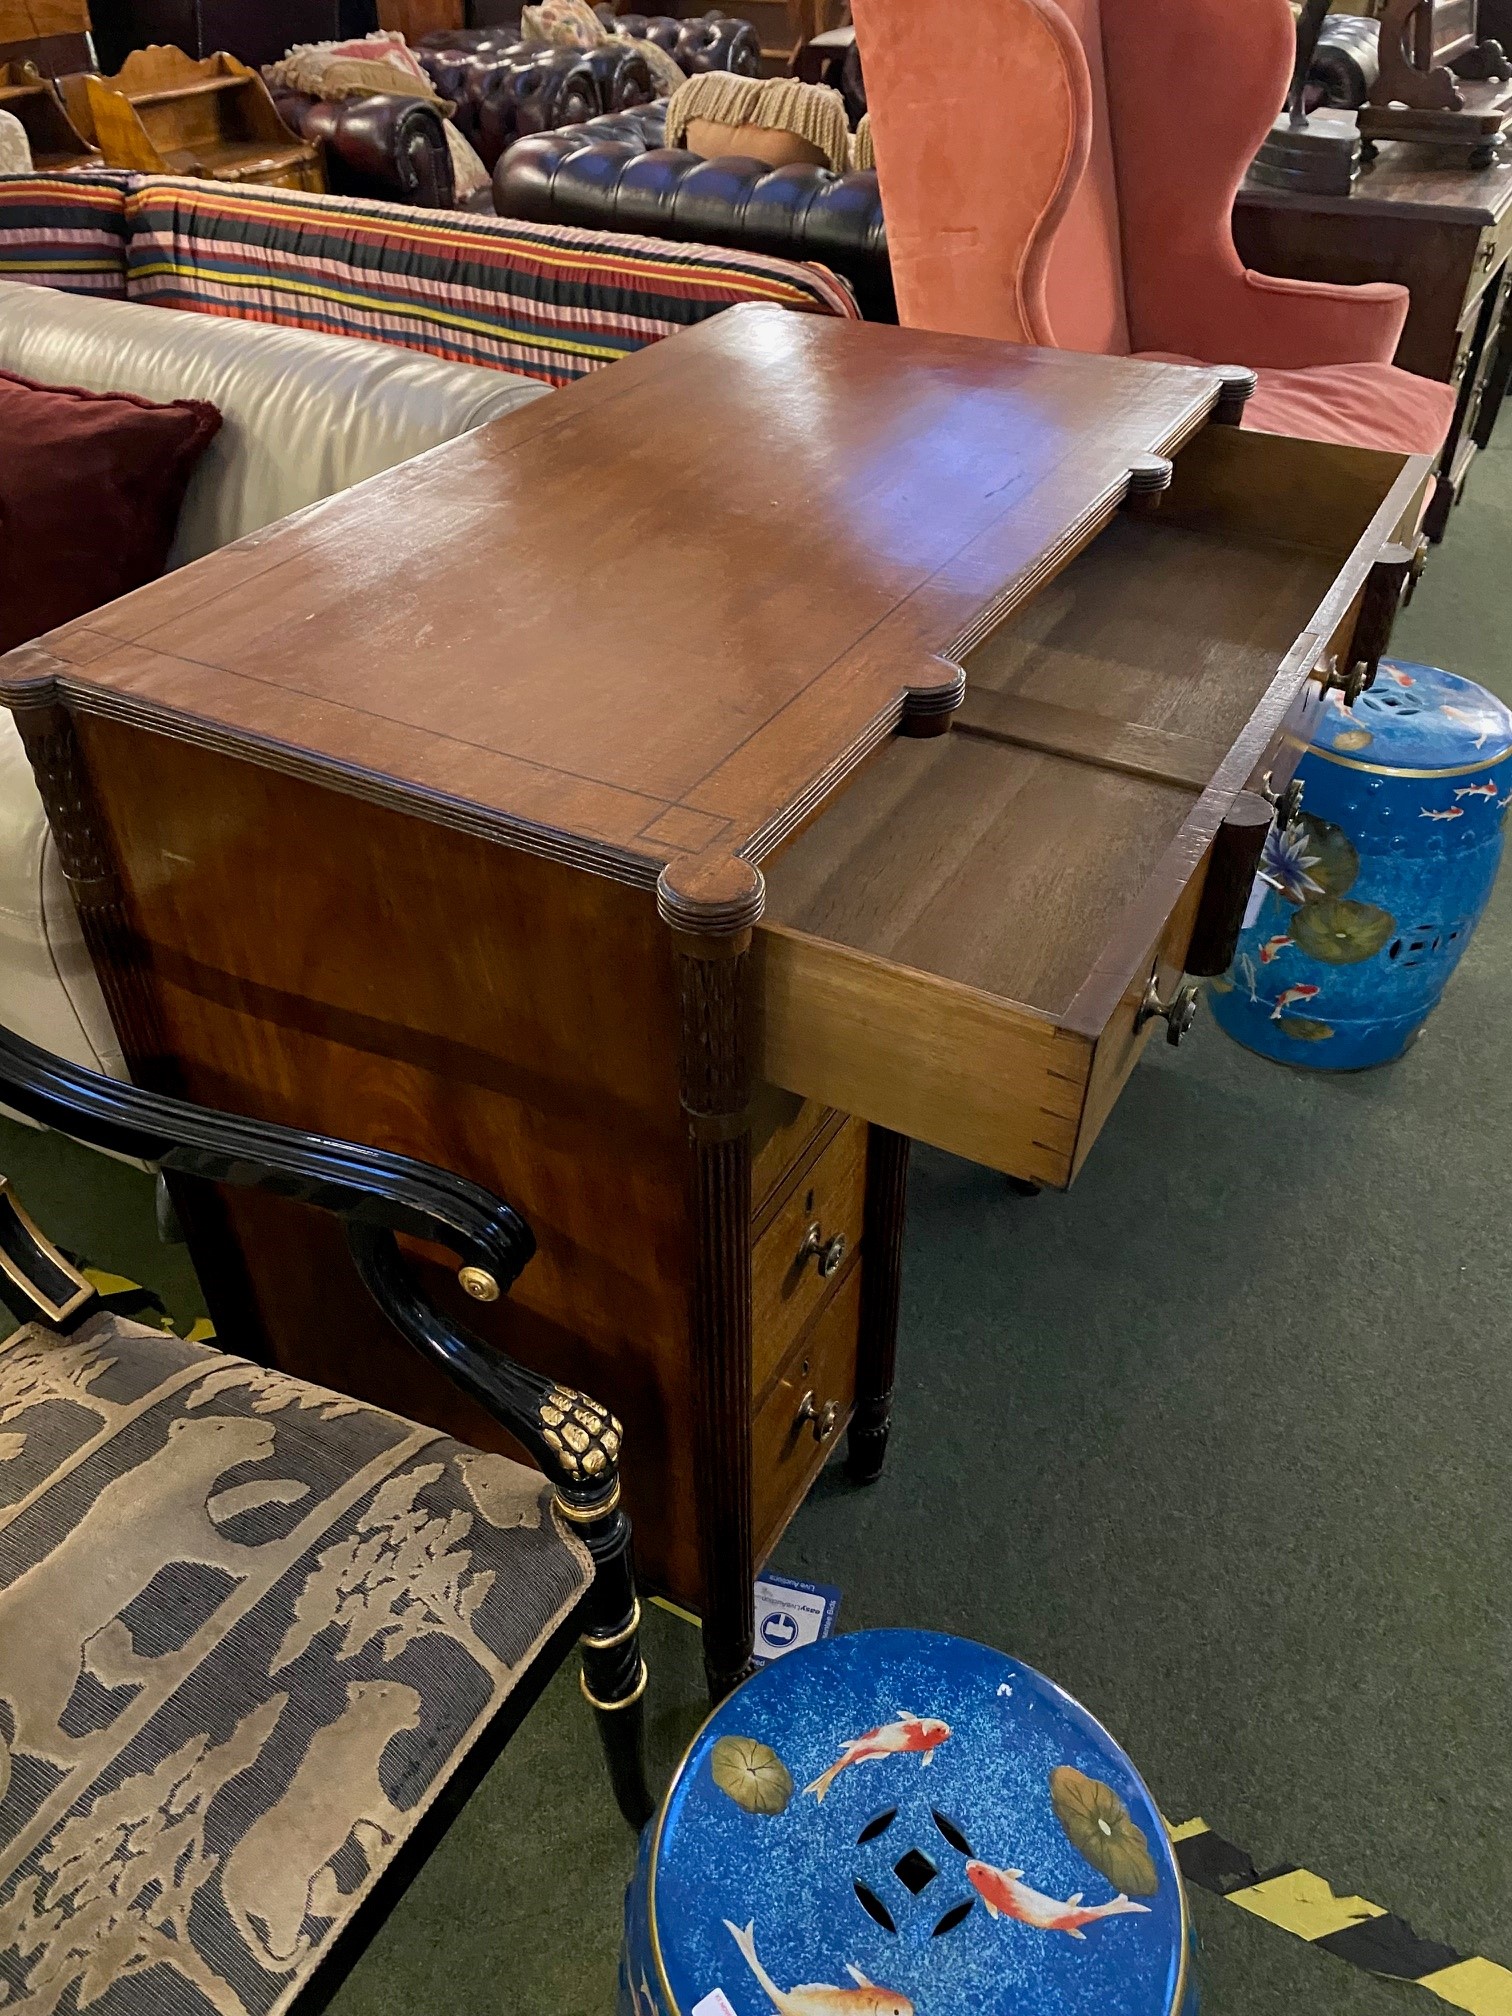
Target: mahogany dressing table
column 664, row 803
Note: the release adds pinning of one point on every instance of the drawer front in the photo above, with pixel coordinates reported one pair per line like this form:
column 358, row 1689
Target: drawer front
column 783, row 1127
column 936, row 1061
column 804, row 1416
column 803, row 1249
column 1494, row 250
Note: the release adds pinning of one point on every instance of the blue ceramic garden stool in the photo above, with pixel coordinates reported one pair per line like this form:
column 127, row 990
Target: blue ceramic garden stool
column 1371, row 896
column 898, row 1821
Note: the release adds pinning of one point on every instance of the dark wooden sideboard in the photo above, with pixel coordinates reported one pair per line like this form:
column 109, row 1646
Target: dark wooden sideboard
column 668, row 801
column 1443, row 231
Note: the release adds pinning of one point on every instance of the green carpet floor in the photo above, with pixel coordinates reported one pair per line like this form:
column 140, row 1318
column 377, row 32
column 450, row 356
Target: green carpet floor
column 1219, row 1440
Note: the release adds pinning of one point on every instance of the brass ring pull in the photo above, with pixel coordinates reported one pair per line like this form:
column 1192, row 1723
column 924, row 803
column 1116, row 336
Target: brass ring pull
column 826, row 1253
column 1287, row 802
column 1178, row 1014
column 823, row 1420
column 1351, row 683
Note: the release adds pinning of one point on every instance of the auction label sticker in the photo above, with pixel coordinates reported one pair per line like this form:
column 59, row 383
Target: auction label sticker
column 717, row 2004
column 790, row 1614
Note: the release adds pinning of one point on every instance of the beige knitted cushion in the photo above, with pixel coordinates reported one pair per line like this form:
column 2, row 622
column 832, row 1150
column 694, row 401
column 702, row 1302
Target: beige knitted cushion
column 15, row 148
column 248, row 1631
column 774, row 119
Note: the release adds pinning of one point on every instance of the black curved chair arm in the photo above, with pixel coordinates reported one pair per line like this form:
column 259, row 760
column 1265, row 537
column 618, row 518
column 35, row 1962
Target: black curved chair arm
column 362, row 1186
column 575, row 1441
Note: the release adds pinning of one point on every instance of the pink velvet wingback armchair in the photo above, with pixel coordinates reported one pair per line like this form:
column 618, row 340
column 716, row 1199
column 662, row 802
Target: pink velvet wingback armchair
column 1058, row 189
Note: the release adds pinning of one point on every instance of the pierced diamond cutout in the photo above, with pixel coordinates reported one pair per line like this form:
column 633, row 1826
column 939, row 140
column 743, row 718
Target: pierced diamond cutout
column 916, row 1872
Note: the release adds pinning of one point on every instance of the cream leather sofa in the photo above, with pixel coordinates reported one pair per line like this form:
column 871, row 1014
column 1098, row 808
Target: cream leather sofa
column 304, row 417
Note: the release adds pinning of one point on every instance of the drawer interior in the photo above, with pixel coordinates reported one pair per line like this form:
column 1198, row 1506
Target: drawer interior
column 1001, row 854
column 959, row 945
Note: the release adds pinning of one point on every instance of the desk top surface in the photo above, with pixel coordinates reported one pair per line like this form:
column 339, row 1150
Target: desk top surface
column 648, row 624
column 1406, row 181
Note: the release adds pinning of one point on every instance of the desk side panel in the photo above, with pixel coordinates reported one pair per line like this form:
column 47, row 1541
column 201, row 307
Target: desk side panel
column 338, row 966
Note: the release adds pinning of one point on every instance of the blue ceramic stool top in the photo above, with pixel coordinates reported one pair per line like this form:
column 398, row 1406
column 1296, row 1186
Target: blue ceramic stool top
column 899, row 1821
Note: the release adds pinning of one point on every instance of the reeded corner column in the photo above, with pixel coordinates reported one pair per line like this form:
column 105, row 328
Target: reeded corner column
column 711, row 903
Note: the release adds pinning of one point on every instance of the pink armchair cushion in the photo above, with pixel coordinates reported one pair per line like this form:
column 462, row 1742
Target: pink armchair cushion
column 1361, row 405
column 1180, row 162
column 1356, row 405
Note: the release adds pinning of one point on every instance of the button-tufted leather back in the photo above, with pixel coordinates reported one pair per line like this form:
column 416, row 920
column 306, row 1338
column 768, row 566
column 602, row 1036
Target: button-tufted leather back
column 614, row 174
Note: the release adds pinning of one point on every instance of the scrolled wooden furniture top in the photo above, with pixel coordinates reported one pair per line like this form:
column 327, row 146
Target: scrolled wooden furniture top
column 649, row 624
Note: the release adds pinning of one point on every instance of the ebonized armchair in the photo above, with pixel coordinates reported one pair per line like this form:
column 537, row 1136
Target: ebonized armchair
column 258, row 1641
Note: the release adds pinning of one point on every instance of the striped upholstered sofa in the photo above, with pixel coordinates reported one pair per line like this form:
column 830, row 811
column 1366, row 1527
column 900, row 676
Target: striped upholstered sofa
column 546, row 301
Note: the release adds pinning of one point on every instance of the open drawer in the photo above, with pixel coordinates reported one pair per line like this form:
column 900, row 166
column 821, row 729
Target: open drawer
column 961, row 945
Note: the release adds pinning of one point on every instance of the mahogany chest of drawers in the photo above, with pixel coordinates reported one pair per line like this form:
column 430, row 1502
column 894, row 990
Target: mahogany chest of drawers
column 666, row 803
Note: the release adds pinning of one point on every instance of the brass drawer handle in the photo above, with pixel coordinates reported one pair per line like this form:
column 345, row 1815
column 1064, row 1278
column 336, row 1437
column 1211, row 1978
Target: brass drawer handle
column 1351, row 683
column 823, row 1420
column 826, row 1253
column 1287, row 803
column 1178, row 1014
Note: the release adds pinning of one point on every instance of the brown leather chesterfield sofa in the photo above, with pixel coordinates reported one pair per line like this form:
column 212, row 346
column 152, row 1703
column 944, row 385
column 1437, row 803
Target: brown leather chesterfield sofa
column 613, row 173
column 506, row 90
column 712, row 41
column 390, row 147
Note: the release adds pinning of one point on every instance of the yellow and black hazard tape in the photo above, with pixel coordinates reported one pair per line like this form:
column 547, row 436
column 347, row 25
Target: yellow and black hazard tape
column 1350, row 1928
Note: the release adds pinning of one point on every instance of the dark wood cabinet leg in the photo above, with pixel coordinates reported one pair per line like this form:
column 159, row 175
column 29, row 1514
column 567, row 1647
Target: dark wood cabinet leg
column 1498, row 378
column 881, row 1289
column 714, row 993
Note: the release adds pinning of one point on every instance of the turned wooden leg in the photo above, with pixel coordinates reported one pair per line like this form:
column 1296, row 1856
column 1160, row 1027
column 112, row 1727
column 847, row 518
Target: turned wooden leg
column 614, row 1671
column 715, row 999
column 881, row 1289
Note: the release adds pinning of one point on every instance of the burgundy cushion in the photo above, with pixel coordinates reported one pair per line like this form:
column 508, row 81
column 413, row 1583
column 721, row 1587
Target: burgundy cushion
column 1356, row 405
column 90, row 489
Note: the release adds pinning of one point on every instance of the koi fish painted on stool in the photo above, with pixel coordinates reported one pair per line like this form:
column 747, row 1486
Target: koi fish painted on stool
column 814, row 1999
column 1006, row 1895
column 917, row 1735
column 1290, row 996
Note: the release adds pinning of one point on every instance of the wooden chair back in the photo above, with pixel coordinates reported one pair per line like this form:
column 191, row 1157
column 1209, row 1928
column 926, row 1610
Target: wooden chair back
column 55, row 141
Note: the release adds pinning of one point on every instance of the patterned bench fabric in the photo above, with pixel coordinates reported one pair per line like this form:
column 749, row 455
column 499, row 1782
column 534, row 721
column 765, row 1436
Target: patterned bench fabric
column 247, row 1630
column 65, row 231
column 546, row 300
